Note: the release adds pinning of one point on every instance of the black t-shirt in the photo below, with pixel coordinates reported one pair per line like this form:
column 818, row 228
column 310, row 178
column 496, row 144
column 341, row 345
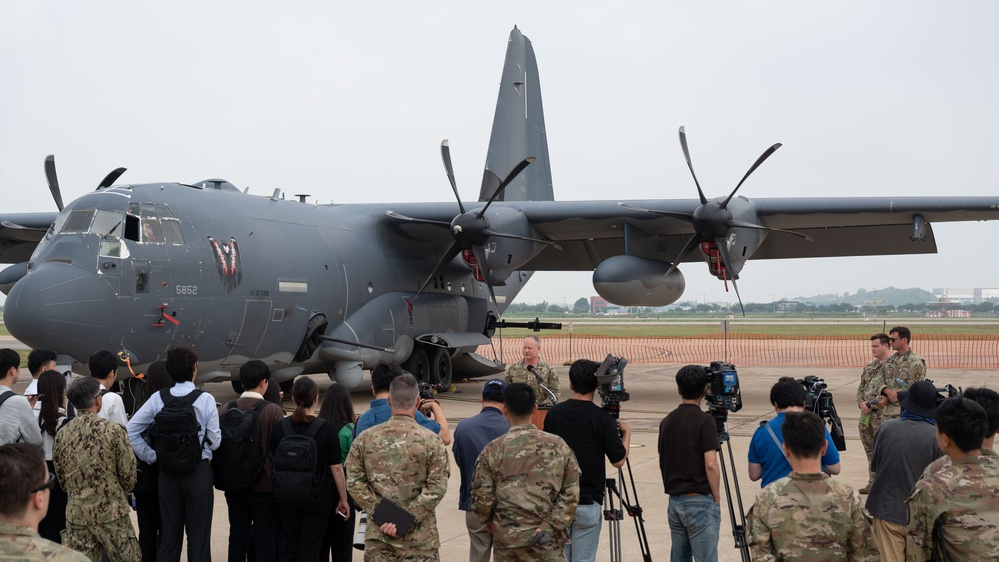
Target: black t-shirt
column 591, row 433
column 327, row 449
column 684, row 436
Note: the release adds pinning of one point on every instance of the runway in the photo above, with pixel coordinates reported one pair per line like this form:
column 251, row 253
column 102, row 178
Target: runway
column 653, row 395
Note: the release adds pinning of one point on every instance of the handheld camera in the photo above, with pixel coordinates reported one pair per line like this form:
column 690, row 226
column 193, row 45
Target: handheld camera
column 819, row 400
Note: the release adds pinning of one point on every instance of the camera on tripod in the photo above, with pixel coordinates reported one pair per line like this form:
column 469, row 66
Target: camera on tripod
column 820, row 401
column 610, row 377
column 723, row 393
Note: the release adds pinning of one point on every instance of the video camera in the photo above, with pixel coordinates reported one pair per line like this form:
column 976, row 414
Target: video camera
column 723, row 393
column 819, row 400
column 610, row 377
column 429, row 391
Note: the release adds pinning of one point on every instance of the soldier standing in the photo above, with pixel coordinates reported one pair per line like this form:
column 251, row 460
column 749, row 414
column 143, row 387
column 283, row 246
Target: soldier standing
column 95, row 465
column 808, row 515
column 901, row 370
column 25, row 486
column 403, row 462
column 533, row 371
column 526, row 486
column 872, row 380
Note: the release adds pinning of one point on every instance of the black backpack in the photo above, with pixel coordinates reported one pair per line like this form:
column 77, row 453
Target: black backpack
column 297, row 477
column 238, row 461
column 174, row 434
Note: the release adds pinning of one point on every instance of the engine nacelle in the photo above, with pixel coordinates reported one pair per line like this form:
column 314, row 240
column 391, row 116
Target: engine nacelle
column 628, row 280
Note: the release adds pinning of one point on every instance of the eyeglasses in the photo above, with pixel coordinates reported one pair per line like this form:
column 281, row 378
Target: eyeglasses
column 47, row 485
column 893, row 339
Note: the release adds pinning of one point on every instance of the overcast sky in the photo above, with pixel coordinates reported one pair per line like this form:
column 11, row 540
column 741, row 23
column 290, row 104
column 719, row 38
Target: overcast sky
column 348, row 101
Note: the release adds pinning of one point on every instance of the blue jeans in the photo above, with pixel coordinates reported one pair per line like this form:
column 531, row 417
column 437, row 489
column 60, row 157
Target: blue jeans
column 584, row 533
column 694, row 522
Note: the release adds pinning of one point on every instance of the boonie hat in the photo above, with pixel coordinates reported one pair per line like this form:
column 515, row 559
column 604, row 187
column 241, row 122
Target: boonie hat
column 920, row 399
column 493, row 390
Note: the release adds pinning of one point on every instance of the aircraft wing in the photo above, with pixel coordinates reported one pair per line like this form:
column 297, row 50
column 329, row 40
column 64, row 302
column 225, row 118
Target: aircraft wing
column 20, row 233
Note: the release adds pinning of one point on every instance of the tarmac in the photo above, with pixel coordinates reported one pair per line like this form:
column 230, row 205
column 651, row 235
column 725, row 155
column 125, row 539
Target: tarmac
column 653, row 394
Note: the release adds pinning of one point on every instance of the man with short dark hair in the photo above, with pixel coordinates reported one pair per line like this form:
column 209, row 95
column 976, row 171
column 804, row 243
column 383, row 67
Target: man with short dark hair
column 988, row 399
column 17, row 418
column 872, row 380
column 95, row 465
column 902, row 370
column 25, row 486
column 955, row 511
column 903, row 448
column 535, row 372
column 379, row 411
column 39, row 361
column 526, row 485
column 688, row 460
column 470, row 437
column 593, row 435
column 186, row 500
column 104, row 367
column 254, row 508
column 808, row 515
column 403, row 462
column 766, row 451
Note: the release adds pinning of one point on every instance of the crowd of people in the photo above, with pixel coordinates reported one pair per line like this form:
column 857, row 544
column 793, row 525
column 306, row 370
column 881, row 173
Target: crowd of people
column 76, row 460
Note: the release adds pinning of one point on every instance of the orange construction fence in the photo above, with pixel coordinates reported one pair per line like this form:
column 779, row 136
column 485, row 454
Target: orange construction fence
column 944, row 351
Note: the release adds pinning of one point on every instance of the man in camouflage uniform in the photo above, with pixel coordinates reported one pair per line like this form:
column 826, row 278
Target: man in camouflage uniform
column 25, row 486
column 526, row 486
column 901, row 370
column 401, row 461
column 954, row 513
column 95, row 465
column 808, row 515
column 989, row 400
column 871, row 382
column 535, row 372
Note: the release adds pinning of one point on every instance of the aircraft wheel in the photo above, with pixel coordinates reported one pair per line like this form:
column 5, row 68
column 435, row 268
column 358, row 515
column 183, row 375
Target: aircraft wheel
column 440, row 368
column 419, row 364
column 237, row 386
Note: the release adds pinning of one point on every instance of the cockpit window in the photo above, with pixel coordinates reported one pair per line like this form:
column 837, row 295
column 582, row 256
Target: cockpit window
column 152, row 224
column 107, row 223
column 78, row 222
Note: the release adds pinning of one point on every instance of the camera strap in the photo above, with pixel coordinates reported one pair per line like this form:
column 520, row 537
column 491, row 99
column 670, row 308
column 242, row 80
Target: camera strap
column 773, row 436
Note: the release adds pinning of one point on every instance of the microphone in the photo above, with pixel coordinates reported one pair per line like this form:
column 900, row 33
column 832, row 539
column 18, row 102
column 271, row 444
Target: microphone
column 551, row 395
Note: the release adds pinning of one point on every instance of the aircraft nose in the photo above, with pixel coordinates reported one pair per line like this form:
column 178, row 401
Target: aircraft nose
column 57, row 299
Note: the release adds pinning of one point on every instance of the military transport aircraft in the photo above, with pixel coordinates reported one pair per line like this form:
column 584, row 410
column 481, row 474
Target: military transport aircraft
column 337, row 288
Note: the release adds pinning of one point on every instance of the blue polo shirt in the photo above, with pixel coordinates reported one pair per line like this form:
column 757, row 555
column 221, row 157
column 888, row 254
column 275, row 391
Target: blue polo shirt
column 763, row 451
column 470, row 437
column 379, row 412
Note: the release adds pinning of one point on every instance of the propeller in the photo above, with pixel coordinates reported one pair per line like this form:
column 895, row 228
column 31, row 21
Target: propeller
column 471, row 229
column 53, row 179
column 712, row 221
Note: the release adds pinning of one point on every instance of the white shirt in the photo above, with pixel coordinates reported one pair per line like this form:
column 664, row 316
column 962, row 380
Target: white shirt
column 113, row 408
column 204, row 410
column 17, row 421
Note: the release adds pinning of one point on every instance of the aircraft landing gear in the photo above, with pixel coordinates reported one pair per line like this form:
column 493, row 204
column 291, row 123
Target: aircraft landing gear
column 440, row 368
column 418, row 364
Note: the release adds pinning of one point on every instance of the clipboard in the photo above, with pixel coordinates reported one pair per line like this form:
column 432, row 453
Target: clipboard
column 390, row 512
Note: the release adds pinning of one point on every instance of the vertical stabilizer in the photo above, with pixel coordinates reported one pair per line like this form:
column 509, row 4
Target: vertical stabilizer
column 518, row 129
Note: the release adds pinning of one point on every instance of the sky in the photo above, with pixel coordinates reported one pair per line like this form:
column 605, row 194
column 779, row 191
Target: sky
column 348, row 102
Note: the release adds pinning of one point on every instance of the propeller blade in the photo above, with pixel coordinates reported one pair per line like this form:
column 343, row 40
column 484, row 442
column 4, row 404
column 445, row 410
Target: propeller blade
column 723, row 250
column 491, row 232
column 109, row 179
column 446, row 157
column 50, row 176
column 509, row 178
column 766, row 154
column 689, row 217
column 397, row 216
column 480, row 262
column 686, row 156
column 689, row 247
column 449, row 255
column 741, row 224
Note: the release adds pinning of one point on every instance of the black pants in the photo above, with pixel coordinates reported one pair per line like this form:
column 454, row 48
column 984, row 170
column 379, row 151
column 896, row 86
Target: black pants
column 147, row 511
column 339, row 537
column 55, row 520
column 186, row 502
column 304, row 528
column 252, row 517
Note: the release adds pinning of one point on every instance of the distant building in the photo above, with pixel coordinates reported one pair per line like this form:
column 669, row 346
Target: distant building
column 599, row 305
column 963, row 295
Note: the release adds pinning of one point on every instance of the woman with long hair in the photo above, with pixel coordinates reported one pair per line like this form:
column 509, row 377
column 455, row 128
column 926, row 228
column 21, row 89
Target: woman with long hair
column 304, row 525
column 147, row 500
column 338, row 409
column 51, row 418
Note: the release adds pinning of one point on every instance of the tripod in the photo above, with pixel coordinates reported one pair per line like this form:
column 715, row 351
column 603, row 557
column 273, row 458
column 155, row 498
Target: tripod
column 738, row 531
column 615, row 515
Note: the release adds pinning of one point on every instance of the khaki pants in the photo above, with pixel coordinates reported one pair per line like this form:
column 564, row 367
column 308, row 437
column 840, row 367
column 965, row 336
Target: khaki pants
column 890, row 538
